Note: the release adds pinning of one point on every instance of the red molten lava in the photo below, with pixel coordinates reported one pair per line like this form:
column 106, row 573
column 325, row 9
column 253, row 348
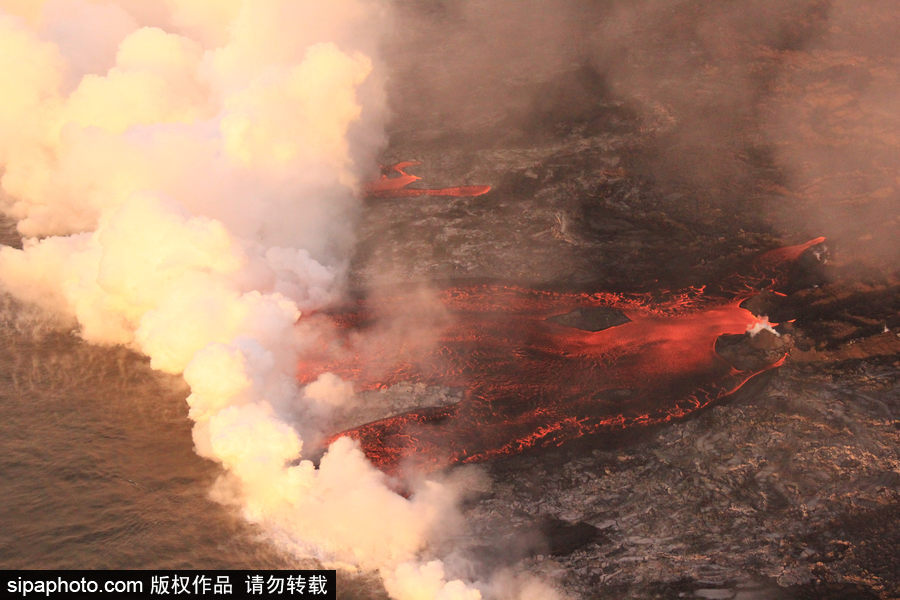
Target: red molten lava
column 531, row 381
column 394, row 185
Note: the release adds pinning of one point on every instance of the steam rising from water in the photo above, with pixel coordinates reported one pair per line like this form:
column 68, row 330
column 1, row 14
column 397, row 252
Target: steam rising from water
column 184, row 176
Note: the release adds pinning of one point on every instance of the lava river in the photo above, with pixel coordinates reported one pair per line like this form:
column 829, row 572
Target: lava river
column 530, row 379
column 395, row 181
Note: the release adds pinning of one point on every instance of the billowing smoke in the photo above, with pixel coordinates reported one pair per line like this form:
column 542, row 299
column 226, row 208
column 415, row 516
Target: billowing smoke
column 185, row 177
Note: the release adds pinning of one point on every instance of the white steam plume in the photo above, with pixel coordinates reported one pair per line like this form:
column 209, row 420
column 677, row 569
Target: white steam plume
column 184, row 175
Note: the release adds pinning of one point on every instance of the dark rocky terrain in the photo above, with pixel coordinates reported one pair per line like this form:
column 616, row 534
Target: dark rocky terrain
column 659, row 147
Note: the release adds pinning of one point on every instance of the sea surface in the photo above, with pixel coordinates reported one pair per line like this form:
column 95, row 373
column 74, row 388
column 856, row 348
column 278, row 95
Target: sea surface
column 97, row 469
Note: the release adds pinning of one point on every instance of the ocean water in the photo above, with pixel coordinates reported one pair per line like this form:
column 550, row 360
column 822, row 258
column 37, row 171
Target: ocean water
column 97, row 469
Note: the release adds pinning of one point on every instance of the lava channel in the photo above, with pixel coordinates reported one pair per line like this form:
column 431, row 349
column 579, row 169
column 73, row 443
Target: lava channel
column 530, row 380
column 395, row 181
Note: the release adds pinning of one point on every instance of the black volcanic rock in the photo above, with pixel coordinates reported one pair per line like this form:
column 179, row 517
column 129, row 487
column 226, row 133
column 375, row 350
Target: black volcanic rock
column 563, row 538
column 661, row 153
column 752, row 353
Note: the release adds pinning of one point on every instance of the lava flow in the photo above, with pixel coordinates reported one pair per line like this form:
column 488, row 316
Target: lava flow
column 531, row 380
column 395, row 181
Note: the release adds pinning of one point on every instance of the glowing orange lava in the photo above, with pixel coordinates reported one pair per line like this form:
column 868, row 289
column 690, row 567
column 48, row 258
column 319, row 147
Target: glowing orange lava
column 531, row 381
column 394, row 185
